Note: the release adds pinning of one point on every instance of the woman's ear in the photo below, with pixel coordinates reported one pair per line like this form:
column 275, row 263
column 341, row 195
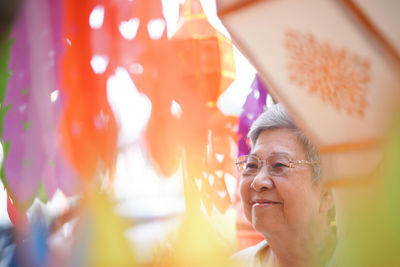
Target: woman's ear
column 327, row 201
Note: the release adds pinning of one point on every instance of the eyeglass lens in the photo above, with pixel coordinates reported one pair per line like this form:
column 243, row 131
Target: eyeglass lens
column 276, row 165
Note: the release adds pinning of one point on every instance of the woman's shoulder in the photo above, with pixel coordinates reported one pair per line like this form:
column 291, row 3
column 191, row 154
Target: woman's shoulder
column 251, row 256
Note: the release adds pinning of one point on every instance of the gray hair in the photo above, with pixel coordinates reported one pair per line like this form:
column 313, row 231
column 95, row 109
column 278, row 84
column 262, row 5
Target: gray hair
column 277, row 117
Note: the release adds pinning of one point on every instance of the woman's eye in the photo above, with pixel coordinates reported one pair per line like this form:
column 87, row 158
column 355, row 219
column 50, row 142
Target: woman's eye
column 279, row 165
column 251, row 166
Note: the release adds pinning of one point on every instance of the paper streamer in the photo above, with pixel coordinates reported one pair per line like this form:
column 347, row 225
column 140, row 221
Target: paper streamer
column 252, row 108
column 35, row 102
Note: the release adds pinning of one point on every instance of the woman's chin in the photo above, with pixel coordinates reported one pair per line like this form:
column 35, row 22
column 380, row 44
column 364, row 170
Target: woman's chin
column 266, row 229
column 267, row 225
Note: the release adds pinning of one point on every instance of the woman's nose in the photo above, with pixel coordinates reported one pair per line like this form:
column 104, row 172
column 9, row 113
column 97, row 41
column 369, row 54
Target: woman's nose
column 262, row 181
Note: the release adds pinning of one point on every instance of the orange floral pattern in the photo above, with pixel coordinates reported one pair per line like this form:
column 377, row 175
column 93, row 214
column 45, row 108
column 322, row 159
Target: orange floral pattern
column 336, row 75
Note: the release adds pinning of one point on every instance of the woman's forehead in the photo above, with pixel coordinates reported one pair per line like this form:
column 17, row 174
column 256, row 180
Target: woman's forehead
column 278, row 141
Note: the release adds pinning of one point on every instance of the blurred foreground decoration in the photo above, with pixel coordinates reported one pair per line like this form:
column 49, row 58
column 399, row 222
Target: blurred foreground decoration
column 333, row 70
column 371, row 221
column 185, row 126
column 196, row 243
column 93, row 236
column 99, row 235
column 34, row 165
column 342, row 80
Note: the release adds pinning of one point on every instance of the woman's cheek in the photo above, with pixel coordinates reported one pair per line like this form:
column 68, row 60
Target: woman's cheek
column 294, row 198
column 244, row 190
column 289, row 193
column 283, row 186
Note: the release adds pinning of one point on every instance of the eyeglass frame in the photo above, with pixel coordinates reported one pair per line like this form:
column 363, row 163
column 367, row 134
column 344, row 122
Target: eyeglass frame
column 291, row 163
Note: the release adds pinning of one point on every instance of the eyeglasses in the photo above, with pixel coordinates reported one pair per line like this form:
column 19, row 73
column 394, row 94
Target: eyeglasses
column 277, row 165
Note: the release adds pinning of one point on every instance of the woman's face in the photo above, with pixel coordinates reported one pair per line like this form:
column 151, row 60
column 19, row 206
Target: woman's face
column 290, row 202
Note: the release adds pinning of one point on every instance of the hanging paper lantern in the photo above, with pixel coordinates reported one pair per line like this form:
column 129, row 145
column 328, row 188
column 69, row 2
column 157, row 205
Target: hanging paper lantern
column 221, row 154
column 182, row 128
column 204, row 56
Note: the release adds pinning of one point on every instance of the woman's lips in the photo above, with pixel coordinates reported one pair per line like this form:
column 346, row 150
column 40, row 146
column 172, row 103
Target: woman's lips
column 264, row 203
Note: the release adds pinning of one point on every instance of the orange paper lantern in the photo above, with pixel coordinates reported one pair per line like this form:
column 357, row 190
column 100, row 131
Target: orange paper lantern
column 185, row 127
column 204, row 55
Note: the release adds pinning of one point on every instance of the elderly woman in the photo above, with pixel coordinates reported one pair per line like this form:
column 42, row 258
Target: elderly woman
column 284, row 197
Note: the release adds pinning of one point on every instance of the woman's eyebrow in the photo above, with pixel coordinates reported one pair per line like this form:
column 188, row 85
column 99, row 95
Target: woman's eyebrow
column 273, row 153
column 278, row 153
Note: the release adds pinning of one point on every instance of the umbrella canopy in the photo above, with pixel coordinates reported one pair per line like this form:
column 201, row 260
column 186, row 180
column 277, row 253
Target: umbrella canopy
column 335, row 72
